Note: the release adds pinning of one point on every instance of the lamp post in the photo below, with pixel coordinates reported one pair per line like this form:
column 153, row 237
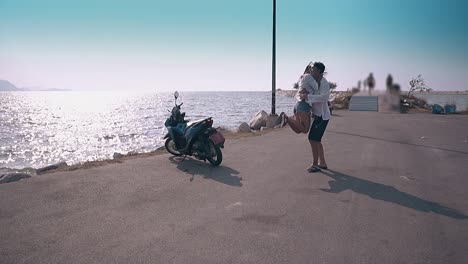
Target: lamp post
column 273, row 68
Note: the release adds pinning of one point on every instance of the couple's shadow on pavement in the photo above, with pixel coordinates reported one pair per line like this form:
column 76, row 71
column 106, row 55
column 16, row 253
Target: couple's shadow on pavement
column 342, row 182
column 220, row 174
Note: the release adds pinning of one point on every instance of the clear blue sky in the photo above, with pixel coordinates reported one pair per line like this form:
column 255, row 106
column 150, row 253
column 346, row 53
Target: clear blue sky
column 226, row 45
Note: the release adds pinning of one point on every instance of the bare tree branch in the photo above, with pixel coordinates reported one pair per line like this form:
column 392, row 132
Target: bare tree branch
column 417, row 84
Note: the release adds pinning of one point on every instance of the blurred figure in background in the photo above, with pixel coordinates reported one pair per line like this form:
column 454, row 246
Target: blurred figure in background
column 370, row 82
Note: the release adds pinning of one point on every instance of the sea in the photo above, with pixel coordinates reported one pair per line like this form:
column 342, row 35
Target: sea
column 42, row 128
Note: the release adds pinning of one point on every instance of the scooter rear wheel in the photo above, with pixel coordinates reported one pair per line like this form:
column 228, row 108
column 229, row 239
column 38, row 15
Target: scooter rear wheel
column 215, row 156
column 171, row 148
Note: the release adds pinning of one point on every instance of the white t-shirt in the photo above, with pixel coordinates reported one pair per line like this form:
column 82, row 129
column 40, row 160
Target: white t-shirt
column 319, row 101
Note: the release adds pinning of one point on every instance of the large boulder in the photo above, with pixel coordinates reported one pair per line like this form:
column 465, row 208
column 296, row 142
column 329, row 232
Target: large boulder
column 341, row 100
column 12, row 177
column 275, row 121
column 117, row 155
column 271, row 121
column 259, row 120
column 51, row 167
column 244, row 127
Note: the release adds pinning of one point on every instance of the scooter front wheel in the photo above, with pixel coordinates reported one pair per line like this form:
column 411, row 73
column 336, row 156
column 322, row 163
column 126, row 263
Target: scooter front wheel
column 171, row 148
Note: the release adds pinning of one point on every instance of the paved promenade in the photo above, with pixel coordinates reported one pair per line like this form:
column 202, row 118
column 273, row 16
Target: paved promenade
column 396, row 192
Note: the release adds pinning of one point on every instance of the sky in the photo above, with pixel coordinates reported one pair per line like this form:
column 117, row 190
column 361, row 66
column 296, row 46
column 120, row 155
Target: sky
column 227, row 45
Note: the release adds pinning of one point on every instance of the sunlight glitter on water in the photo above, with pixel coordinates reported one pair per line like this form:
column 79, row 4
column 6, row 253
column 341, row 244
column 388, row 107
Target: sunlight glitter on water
column 43, row 128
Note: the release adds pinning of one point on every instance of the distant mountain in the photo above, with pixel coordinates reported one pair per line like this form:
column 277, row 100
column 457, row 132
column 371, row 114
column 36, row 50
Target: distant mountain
column 7, row 86
column 39, row 89
column 57, row 90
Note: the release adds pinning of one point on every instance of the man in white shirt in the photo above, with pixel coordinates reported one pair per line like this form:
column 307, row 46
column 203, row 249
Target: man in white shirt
column 319, row 103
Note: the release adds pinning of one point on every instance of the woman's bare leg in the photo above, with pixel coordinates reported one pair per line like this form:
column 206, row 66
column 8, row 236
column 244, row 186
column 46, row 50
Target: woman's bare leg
column 295, row 125
column 304, row 118
column 300, row 123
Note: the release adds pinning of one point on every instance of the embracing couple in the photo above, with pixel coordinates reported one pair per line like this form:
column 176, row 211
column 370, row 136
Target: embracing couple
column 312, row 96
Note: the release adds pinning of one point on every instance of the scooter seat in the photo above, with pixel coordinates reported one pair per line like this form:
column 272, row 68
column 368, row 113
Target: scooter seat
column 196, row 122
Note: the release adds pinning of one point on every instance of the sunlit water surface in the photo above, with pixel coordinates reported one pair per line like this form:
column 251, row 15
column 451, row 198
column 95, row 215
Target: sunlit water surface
column 43, row 128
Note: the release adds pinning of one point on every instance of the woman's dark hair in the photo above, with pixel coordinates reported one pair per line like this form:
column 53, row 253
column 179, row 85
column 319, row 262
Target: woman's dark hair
column 319, row 66
column 308, row 69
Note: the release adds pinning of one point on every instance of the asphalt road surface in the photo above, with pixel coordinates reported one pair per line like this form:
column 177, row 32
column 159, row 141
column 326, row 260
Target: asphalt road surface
column 396, row 192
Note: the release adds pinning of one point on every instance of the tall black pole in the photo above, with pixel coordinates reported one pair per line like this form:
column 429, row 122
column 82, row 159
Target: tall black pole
column 273, row 69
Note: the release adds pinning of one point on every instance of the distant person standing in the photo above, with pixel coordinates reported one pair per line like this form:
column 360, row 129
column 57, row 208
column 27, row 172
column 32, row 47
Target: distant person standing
column 370, row 82
column 321, row 113
column 389, row 82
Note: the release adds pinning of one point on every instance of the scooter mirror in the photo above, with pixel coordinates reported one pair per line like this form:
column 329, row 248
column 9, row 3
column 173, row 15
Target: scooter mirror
column 176, row 94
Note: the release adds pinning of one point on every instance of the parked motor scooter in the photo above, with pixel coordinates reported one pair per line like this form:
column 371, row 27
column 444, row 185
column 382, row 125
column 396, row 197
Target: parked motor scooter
column 197, row 138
